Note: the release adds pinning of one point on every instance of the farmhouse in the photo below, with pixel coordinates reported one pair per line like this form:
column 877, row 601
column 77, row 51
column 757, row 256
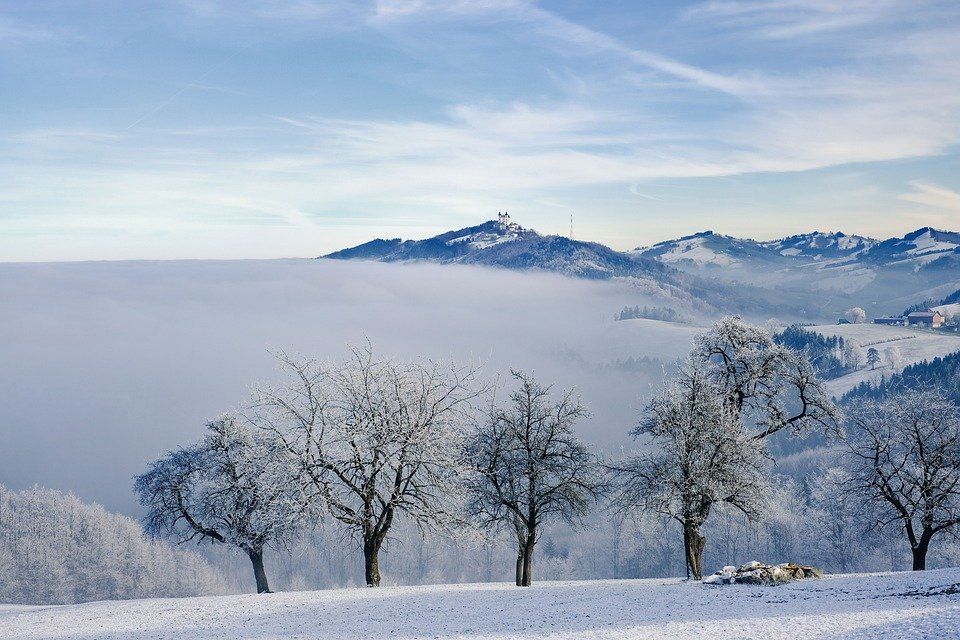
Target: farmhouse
column 932, row 319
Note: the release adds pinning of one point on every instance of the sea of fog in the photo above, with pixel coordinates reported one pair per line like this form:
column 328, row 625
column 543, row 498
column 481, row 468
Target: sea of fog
column 106, row 365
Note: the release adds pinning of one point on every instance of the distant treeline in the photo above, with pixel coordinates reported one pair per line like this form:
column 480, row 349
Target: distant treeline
column 665, row 314
column 824, row 353
column 939, row 373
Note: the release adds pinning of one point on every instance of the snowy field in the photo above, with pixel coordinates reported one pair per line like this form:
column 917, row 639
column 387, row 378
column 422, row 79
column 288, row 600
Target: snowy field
column 889, row 606
column 915, row 346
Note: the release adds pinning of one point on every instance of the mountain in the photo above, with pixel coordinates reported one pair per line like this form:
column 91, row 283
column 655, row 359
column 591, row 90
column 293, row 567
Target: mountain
column 820, row 247
column 880, row 276
column 707, row 249
column 501, row 243
column 808, row 276
column 925, row 248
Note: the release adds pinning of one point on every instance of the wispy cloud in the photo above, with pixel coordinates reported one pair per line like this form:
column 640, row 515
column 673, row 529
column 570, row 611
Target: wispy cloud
column 15, row 32
column 932, row 195
column 550, row 25
column 397, row 111
column 782, row 19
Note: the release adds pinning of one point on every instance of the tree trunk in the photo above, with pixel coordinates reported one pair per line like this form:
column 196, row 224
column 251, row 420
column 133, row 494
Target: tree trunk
column 527, row 578
column 694, row 543
column 371, row 562
column 256, row 557
column 519, row 564
column 920, row 553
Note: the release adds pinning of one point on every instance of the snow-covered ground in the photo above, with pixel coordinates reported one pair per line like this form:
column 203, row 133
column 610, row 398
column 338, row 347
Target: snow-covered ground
column 895, row 605
column 915, row 346
column 637, row 337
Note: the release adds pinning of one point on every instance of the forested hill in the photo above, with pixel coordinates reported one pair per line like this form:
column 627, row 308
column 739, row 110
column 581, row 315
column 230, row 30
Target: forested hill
column 939, row 373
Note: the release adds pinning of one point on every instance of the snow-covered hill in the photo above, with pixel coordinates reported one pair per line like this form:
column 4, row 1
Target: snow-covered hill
column 894, row 605
column 707, row 249
column 821, row 247
column 915, row 346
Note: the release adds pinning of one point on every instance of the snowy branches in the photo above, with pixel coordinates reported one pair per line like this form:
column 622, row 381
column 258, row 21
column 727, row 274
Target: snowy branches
column 236, row 486
column 703, row 457
column 374, row 439
column 529, row 468
column 904, row 456
column 762, row 382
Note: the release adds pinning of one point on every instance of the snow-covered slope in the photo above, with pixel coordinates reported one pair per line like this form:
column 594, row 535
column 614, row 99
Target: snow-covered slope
column 897, row 605
column 923, row 248
column 914, row 345
column 706, row 249
column 713, row 249
column 821, row 247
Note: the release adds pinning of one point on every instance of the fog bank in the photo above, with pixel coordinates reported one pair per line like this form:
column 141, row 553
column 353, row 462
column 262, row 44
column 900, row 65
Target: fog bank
column 104, row 366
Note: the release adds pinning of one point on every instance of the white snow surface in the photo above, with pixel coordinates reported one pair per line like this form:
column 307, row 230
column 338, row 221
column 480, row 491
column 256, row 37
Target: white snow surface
column 926, row 243
column 950, row 310
column 915, row 345
column 696, row 251
column 893, row 605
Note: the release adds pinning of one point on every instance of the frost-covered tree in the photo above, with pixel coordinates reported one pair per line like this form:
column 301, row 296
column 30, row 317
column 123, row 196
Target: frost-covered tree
column 763, row 383
column 855, row 315
column 55, row 549
column 702, row 458
column 237, row 487
column 530, row 468
column 854, row 355
column 836, row 526
column 904, row 459
column 375, row 439
column 894, row 358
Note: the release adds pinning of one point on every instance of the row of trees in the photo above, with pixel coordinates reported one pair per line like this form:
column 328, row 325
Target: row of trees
column 55, row 549
column 367, row 443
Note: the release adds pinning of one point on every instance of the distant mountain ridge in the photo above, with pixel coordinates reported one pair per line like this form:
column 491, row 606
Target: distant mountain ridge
column 506, row 244
column 815, row 273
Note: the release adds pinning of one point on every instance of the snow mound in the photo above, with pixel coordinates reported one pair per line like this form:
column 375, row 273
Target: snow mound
column 759, row 573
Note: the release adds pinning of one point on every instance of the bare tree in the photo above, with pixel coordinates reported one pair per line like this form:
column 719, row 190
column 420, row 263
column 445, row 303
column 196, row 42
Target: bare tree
column 904, row 458
column 763, row 383
column 234, row 487
column 703, row 458
column 375, row 439
column 894, row 358
column 530, row 468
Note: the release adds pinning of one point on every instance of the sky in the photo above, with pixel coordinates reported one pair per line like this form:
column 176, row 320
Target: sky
column 270, row 128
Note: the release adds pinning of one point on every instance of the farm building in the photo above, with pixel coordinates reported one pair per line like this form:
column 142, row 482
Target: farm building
column 898, row 321
column 932, row 319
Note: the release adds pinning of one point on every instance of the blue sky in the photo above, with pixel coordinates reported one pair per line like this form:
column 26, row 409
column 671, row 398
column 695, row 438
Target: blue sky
column 266, row 128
